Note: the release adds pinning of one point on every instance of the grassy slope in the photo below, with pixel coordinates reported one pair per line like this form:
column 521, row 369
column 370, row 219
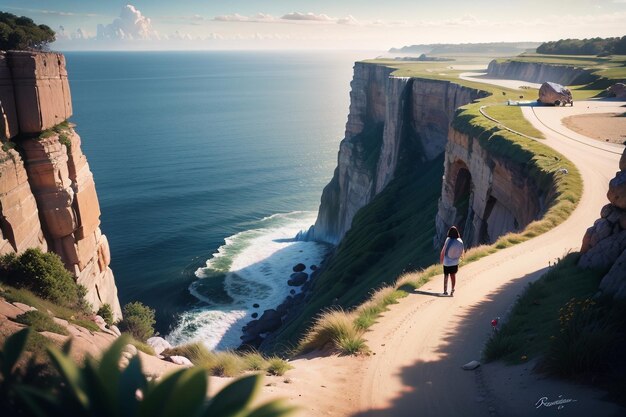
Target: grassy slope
column 392, row 233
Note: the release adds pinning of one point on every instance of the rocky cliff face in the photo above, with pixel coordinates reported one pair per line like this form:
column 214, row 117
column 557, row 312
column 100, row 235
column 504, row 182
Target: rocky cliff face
column 483, row 195
column 384, row 111
column 539, row 73
column 48, row 197
column 604, row 243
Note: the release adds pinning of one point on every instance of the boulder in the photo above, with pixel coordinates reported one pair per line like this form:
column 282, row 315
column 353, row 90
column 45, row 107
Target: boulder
column 180, row 360
column 24, row 307
column 313, row 267
column 255, row 305
column 554, row 94
column 602, row 229
column 99, row 321
column 617, row 90
column 614, row 282
column 255, row 315
column 299, row 267
column 622, row 161
column 617, row 190
column 605, row 253
column 158, row 344
column 115, row 330
column 297, row 279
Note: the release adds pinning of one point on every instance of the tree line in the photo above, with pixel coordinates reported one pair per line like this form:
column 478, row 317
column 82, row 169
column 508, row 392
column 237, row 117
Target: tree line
column 21, row 33
column 592, row 46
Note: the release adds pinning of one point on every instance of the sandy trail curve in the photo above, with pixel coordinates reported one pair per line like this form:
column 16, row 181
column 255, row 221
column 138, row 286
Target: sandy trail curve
column 419, row 345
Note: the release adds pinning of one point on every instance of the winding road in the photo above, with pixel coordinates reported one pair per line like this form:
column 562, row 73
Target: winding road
column 419, row 345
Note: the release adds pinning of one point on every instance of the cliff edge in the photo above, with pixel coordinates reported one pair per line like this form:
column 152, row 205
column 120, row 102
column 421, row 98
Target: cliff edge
column 48, row 197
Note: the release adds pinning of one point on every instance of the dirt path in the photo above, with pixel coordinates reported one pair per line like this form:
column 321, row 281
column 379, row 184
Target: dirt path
column 419, row 345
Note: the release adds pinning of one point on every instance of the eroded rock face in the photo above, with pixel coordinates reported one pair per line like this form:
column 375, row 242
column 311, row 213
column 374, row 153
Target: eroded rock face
column 20, row 228
column 64, row 189
column 384, row 110
column 604, row 243
column 484, row 196
column 535, row 72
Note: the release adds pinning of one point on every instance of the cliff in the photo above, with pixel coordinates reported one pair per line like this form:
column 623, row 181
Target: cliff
column 485, row 195
column 537, row 72
column 48, row 197
column 384, row 111
column 604, row 243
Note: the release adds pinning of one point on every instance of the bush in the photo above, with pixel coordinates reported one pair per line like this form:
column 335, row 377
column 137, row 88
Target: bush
column 333, row 328
column 138, row 321
column 40, row 322
column 45, row 275
column 106, row 312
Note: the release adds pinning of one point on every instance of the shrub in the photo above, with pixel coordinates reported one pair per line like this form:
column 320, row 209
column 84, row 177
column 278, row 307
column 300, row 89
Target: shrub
column 106, row 312
column 255, row 361
column 138, row 321
column 44, row 274
column 226, row 364
column 102, row 388
column 278, row 366
column 41, row 322
column 329, row 329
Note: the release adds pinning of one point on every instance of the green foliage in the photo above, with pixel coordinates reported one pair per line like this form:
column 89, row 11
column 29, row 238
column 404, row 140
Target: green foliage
column 21, row 33
column 534, row 319
column 592, row 46
column 45, row 275
column 41, row 322
column 106, row 312
column 65, row 140
column 72, row 315
column 103, row 389
column 138, row 321
column 590, row 340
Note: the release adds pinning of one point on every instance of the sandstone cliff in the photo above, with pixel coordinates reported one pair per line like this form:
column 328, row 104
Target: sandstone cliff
column 604, row 243
column 384, row 111
column 47, row 192
column 536, row 72
column 486, row 196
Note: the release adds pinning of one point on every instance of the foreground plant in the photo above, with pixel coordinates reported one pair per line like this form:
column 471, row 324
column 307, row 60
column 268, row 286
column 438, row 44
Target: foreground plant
column 103, row 389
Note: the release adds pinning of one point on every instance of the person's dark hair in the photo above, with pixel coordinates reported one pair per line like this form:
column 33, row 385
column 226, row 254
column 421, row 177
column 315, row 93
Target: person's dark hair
column 453, row 233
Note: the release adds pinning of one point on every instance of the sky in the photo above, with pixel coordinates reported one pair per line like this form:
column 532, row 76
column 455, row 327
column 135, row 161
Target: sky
column 320, row 24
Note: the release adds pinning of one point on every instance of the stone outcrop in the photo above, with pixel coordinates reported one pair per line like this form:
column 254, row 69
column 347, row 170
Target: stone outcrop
column 384, row 111
column 483, row 195
column 48, row 200
column 604, row 243
column 536, row 72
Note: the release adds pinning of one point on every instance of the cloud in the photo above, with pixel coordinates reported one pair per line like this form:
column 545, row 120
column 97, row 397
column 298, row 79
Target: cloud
column 348, row 20
column 257, row 18
column 51, row 12
column 131, row 25
column 308, row 17
column 78, row 34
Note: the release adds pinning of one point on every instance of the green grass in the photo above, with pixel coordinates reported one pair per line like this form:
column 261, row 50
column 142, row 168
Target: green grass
column 41, row 322
column 534, row 319
column 24, row 296
column 57, row 130
column 333, row 330
column 278, row 366
column 511, row 117
column 229, row 363
column 142, row 347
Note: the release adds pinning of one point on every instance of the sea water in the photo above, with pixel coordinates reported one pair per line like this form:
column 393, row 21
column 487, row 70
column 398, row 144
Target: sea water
column 207, row 164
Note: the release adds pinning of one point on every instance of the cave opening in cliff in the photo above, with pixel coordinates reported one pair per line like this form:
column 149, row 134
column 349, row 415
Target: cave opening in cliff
column 462, row 196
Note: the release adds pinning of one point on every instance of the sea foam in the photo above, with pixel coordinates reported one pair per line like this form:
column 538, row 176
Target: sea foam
column 252, row 267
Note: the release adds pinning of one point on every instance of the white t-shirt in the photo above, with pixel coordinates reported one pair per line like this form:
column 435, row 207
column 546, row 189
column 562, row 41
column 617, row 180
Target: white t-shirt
column 451, row 261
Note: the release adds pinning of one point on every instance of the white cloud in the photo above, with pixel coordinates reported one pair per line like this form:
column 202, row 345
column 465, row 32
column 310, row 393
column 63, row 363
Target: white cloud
column 348, row 20
column 258, row 18
column 308, row 17
column 131, row 25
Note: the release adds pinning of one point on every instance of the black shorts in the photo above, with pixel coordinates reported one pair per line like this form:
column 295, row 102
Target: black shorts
column 450, row 269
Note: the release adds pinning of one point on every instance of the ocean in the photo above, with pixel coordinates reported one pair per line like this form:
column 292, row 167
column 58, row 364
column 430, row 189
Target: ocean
column 207, row 164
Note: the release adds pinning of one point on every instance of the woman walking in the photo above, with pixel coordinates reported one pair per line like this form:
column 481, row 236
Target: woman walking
column 450, row 256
